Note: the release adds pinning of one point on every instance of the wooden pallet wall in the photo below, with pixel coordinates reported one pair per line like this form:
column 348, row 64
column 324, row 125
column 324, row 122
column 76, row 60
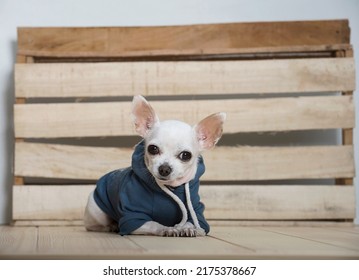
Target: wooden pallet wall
column 75, row 84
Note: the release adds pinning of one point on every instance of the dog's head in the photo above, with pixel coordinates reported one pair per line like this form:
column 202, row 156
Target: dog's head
column 172, row 147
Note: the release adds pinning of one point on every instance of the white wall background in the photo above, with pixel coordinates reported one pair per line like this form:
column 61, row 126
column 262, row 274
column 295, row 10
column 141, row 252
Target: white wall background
column 15, row 13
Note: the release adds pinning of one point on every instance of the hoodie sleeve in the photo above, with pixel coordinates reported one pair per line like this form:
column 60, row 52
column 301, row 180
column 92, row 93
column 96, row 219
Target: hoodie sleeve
column 122, row 198
column 135, row 208
column 132, row 221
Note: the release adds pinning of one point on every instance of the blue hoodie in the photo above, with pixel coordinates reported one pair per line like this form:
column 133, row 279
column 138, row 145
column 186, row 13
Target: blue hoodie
column 132, row 197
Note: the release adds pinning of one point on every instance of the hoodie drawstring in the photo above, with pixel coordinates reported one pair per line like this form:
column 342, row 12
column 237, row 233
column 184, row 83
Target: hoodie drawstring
column 182, row 206
column 190, row 207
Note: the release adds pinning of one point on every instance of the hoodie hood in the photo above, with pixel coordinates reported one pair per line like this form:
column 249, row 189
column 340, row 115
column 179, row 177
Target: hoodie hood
column 140, row 169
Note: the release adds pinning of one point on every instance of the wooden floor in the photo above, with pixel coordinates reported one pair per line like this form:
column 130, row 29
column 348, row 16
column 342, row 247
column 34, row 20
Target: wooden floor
column 222, row 243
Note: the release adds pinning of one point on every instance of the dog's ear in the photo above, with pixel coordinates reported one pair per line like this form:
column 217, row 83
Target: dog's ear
column 144, row 117
column 209, row 130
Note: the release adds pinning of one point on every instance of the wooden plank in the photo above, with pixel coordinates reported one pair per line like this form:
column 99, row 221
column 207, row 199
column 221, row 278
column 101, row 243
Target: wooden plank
column 17, row 242
column 254, row 223
column 273, row 163
column 56, row 202
column 347, row 139
column 184, row 78
column 192, row 248
column 347, row 134
column 223, row 243
column 248, row 115
column 327, row 236
column 62, row 161
column 76, row 242
column 223, row 163
column 178, row 40
column 266, row 243
column 354, row 229
column 21, row 59
column 287, row 202
column 19, row 180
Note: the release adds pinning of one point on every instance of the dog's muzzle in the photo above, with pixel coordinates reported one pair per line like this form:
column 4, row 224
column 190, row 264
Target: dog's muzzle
column 164, row 170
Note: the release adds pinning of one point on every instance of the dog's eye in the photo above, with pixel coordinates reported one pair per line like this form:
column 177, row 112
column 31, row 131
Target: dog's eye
column 185, row 156
column 153, row 150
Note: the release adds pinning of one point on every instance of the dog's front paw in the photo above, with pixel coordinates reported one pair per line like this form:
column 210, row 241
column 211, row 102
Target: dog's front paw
column 170, row 232
column 200, row 232
column 192, row 232
column 189, row 230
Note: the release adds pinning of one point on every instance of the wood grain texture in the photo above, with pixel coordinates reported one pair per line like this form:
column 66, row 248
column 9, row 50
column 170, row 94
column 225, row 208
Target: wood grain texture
column 194, row 248
column 184, row 78
column 343, row 239
column 75, row 241
column 17, row 242
column 178, row 40
column 223, row 163
column 222, row 243
column 248, row 115
column 266, row 241
column 278, row 202
column 63, row 161
column 55, row 202
column 275, row 163
column 236, row 202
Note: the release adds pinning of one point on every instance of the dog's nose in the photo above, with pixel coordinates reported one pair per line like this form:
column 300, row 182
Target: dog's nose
column 164, row 170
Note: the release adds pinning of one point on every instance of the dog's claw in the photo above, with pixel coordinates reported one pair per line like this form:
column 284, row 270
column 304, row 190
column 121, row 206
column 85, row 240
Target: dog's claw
column 170, row 232
column 192, row 232
column 187, row 232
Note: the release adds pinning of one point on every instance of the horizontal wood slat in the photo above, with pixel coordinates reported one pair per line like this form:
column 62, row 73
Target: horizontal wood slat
column 223, row 163
column 39, row 202
column 252, row 115
column 178, row 40
column 279, row 202
column 222, row 202
column 64, row 161
column 184, row 78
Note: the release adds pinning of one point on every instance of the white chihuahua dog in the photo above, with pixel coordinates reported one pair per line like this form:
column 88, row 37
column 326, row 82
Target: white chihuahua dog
column 155, row 194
